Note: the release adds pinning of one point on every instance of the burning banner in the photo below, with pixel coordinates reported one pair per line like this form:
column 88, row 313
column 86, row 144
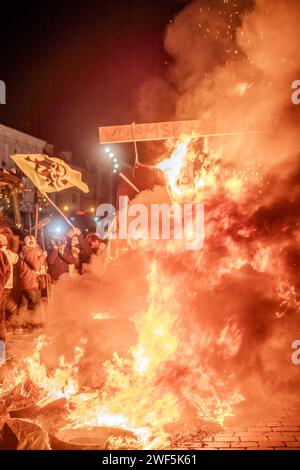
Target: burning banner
column 149, row 131
column 49, row 174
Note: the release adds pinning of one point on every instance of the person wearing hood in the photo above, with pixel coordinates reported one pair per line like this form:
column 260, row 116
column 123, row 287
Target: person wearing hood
column 79, row 248
column 9, row 304
column 96, row 245
column 61, row 259
column 31, row 261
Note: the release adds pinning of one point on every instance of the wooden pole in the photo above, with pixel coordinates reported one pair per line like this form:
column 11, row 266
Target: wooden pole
column 136, row 162
column 58, row 210
column 129, row 182
column 36, row 214
column 46, row 274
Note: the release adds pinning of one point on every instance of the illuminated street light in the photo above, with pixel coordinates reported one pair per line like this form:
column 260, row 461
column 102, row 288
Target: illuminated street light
column 114, row 159
column 66, row 208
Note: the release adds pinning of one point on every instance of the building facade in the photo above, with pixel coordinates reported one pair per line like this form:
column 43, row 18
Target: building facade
column 13, row 141
column 96, row 176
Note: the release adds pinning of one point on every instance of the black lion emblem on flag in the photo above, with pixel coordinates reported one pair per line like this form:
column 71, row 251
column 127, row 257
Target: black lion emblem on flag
column 51, row 172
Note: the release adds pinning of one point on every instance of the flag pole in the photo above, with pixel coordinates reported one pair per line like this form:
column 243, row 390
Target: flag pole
column 58, row 210
column 46, row 274
column 36, row 213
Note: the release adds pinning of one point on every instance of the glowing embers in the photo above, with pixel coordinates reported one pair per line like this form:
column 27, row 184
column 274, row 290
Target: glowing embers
column 234, row 185
column 192, row 170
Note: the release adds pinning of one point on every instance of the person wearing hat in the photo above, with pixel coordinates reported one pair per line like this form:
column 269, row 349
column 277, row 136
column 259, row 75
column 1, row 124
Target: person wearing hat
column 9, row 304
column 61, row 259
column 79, row 248
column 32, row 258
column 96, row 245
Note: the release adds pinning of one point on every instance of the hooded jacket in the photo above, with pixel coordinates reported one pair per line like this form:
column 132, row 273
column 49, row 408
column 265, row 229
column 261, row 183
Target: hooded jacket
column 30, row 262
column 59, row 262
column 12, row 259
column 4, row 271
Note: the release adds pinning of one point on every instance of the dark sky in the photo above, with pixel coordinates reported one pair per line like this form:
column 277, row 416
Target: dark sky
column 70, row 66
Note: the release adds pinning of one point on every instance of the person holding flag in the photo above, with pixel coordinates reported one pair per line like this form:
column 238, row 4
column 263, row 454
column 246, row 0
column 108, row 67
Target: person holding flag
column 49, row 175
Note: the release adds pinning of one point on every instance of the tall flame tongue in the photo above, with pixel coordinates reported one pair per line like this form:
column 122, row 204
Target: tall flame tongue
column 141, row 393
column 131, row 397
column 192, row 173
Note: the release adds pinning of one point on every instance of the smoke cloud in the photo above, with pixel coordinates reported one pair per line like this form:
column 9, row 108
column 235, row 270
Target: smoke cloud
column 232, row 65
column 237, row 300
column 239, row 297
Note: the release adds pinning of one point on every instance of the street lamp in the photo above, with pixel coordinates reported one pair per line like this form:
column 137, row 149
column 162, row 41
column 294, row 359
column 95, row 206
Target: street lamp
column 114, row 159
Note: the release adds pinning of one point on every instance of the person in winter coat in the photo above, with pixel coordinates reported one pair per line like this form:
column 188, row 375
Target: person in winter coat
column 79, row 247
column 96, row 244
column 61, row 259
column 13, row 241
column 9, row 303
column 4, row 275
column 32, row 258
column 4, row 271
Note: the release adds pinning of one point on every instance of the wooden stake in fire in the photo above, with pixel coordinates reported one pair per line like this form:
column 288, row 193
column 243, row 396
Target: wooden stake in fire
column 136, row 162
column 129, row 182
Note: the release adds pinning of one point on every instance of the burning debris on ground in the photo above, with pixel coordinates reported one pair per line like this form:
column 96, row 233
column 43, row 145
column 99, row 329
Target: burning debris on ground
column 156, row 346
column 197, row 354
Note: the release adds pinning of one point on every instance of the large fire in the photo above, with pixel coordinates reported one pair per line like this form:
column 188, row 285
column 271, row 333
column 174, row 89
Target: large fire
column 165, row 373
column 171, row 378
column 216, row 328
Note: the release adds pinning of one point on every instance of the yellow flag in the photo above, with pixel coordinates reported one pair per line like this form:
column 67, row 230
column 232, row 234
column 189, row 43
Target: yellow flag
column 49, row 174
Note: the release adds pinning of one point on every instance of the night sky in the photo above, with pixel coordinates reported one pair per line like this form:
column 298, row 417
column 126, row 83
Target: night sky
column 70, row 66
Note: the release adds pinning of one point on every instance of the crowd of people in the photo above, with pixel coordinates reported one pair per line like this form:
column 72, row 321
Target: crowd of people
column 27, row 271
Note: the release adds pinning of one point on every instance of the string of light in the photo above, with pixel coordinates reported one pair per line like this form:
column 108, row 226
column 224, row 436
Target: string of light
column 114, row 159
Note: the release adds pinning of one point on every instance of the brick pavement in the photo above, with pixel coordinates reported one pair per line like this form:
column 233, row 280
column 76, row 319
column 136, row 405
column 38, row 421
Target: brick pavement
column 282, row 433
